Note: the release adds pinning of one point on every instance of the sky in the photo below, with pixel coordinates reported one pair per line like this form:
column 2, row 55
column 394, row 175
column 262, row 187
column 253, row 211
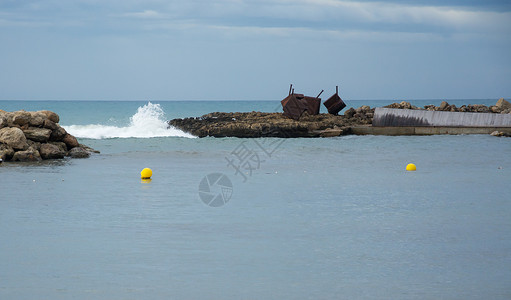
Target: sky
column 253, row 49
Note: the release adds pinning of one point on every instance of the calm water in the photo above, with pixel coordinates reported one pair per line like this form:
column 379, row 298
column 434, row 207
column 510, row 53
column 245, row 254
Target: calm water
column 332, row 218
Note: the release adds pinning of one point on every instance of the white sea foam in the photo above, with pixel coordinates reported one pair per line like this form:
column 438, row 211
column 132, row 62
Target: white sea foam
column 148, row 122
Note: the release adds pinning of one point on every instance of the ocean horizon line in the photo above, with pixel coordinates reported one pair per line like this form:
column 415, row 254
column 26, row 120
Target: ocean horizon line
column 234, row 100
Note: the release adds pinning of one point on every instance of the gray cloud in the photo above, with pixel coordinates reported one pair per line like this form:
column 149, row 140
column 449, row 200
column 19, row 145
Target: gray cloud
column 121, row 47
column 437, row 17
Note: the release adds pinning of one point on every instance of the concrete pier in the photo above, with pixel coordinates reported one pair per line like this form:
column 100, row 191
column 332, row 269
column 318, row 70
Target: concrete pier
column 424, row 130
column 410, row 117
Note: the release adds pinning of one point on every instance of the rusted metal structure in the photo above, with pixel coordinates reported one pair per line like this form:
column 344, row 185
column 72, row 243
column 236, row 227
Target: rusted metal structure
column 294, row 105
column 334, row 104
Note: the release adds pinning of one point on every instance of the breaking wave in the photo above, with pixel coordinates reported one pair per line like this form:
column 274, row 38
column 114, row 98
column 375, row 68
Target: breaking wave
column 148, row 122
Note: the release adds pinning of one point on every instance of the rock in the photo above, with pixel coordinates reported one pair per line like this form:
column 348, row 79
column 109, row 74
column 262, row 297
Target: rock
column 37, row 134
column 495, row 109
column 443, row 106
column 360, row 115
column 478, row 108
column 6, row 152
column 78, row 152
column 365, row 108
column 58, row 133
column 50, row 124
column 350, row 112
column 500, row 134
column 61, row 145
column 70, row 141
column 50, row 151
column 37, row 119
column 34, row 145
column 88, row 149
column 402, row 105
column 13, row 137
column 20, row 118
column 51, row 116
column 503, row 104
column 331, row 132
column 27, row 155
column 393, row 105
column 3, row 119
column 405, row 105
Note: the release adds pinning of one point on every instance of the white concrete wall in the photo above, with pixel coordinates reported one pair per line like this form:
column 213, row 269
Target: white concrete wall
column 409, row 117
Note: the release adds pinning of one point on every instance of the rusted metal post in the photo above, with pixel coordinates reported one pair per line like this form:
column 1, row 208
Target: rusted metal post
column 334, row 104
column 320, row 93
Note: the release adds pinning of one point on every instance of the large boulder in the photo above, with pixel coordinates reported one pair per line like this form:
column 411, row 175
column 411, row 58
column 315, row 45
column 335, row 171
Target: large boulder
column 444, row 106
column 3, row 119
column 503, row 104
column 37, row 134
column 50, row 151
column 78, row 152
column 350, row 112
column 21, row 118
column 51, row 115
column 13, row 137
column 58, row 133
column 37, row 119
column 50, row 124
column 70, row 141
column 405, row 105
column 479, row 108
column 495, row 109
column 6, row 152
column 88, row 149
column 61, row 145
column 27, row 155
column 33, row 145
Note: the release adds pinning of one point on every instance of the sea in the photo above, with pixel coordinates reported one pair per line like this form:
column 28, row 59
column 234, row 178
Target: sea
column 266, row 218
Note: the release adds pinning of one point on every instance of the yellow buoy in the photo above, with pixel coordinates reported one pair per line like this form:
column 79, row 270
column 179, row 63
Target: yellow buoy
column 411, row 167
column 146, row 173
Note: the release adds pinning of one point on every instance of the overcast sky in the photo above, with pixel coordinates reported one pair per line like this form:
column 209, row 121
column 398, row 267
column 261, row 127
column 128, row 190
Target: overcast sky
column 253, row 49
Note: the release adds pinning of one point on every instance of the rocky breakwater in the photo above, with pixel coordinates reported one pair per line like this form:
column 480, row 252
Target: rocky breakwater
column 501, row 107
column 259, row 124
column 34, row 136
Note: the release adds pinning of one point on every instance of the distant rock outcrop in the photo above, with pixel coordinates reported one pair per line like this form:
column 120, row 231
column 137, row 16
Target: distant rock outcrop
column 34, row 136
column 258, row 124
